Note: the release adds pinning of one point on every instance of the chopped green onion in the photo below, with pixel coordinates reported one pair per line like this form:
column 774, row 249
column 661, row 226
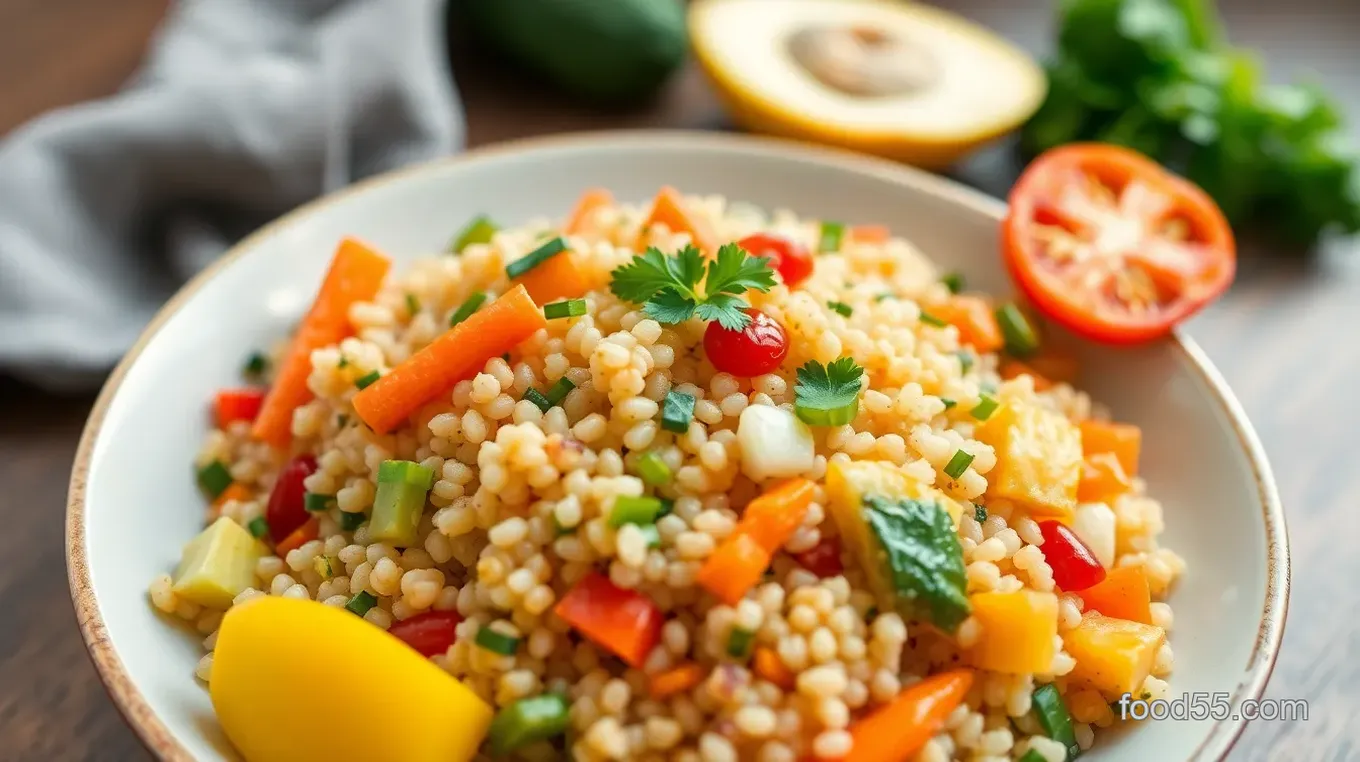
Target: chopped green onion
column 739, row 643
column 930, row 319
column 885, row 295
column 1021, row 340
column 1033, row 755
column 496, row 641
column 979, row 512
column 829, row 237
column 651, row 534
column 412, row 304
column 841, row 307
column 653, row 469
column 965, row 362
column 315, row 503
column 361, row 602
column 559, row 391
column 479, row 230
column 677, row 411
column 958, row 464
column 948, row 403
column 985, row 407
column 1051, row 712
column 400, row 501
column 255, row 365
column 214, row 478
column 343, row 363
column 569, row 308
column 667, row 505
column 953, row 281
column 535, row 258
column 833, row 416
column 352, row 521
column 469, row 306
column 536, row 397
column 322, row 566
column 528, row 721
column 367, row 380
column 634, row 510
column 258, row 527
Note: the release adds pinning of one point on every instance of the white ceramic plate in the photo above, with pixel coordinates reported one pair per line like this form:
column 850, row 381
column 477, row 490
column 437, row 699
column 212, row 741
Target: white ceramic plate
column 133, row 502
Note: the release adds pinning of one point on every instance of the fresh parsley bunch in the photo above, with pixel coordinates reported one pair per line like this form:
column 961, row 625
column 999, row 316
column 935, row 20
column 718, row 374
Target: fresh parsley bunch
column 669, row 290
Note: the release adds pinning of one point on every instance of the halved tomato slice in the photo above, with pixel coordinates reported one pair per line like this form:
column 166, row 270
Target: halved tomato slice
column 1109, row 244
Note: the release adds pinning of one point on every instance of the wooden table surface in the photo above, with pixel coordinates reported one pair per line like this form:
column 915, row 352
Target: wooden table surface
column 1283, row 337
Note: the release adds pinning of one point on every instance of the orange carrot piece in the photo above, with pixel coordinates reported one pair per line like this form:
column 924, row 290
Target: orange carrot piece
column 734, row 568
column 1014, row 368
column 677, row 680
column 772, row 518
column 870, row 233
column 586, row 205
column 299, row 537
column 555, row 278
column 973, row 316
column 1123, row 439
column 770, row 667
column 669, row 209
column 897, row 731
column 1102, row 479
column 459, row 353
column 356, row 273
column 1123, row 594
column 235, row 491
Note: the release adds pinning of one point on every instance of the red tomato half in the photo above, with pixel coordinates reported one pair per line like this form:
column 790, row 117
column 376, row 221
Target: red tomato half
column 790, row 259
column 1109, row 244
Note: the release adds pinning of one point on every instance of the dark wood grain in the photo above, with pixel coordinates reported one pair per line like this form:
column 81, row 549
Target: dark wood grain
column 1284, row 337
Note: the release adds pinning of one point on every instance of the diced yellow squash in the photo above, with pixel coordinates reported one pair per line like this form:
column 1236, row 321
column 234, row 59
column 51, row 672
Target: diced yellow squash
column 1018, row 631
column 217, row 565
column 1114, row 656
column 278, row 659
column 1038, row 459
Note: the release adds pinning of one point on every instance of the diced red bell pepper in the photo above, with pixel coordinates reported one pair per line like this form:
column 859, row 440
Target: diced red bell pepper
column 287, row 510
column 429, row 633
column 238, row 405
column 823, row 559
column 625, row 622
column 1074, row 565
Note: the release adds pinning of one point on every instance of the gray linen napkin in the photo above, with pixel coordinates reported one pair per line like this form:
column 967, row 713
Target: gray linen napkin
column 243, row 110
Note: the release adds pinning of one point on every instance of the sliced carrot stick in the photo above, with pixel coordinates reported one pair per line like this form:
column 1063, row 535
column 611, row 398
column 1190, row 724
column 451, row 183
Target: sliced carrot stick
column 556, row 277
column 772, row 518
column 1014, row 368
column 1102, row 478
column 356, row 273
column 897, row 731
column 734, row 568
column 299, row 537
column 669, row 209
column 459, row 353
column 676, row 680
column 236, row 491
column 972, row 315
column 870, row 233
column 1123, row 594
column 586, row 206
column 1123, row 439
column 770, row 667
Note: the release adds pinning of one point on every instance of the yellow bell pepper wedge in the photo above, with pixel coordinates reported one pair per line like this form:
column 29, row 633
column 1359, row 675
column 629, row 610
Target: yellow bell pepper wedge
column 1038, row 459
column 1017, row 631
column 277, row 658
column 217, row 565
column 1114, row 656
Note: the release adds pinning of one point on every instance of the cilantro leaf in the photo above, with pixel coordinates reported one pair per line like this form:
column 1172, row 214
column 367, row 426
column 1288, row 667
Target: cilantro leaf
column 735, row 271
column 668, row 287
column 728, row 310
column 669, row 307
column 828, row 395
column 642, row 278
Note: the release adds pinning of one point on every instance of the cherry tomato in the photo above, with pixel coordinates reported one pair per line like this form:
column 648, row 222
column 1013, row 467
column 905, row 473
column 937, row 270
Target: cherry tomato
column 823, row 559
column 286, row 511
column 790, row 259
column 238, row 405
column 429, row 633
column 1074, row 565
column 1109, row 244
column 754, row 350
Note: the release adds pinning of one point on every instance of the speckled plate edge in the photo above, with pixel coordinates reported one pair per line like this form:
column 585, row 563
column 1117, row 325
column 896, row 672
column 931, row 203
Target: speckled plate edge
column 130, row 701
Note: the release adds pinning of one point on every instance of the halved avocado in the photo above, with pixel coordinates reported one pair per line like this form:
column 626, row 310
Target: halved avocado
column 896, row 79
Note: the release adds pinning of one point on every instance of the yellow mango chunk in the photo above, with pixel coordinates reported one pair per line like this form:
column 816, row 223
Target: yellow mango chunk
column 1114, row 656
column 1017, row 631
column 280, row 663
column 217, row 565
column 1038, row 459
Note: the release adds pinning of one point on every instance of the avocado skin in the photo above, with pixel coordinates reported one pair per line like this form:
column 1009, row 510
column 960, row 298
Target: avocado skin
column 608, row 51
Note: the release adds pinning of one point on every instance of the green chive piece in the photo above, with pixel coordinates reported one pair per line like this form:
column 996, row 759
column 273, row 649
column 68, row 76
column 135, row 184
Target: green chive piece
column 634, row 510
column 361, row 602
column 214, row 478
column 1021, row 339
column 667, row 505
column 948, row 403
column 965, row 362
column 829, row 237
column 560, row 390
column 255, row 366
column 343, row 363
column 979, row 512
column 535, row 258
column 258, row 527
column 739, row 643
column 496, row 641
column 930, row 319
column 351, row 521
column 528, row 721
column 568, row 308
column 402, row 488
column 986, row 405
column 412, row 304
column 367, row 380
column 315, row 503
column 841, row 307
column 954, row 282
column 536, row 397
column 884, row 296
column 322, row 565
column 651, row 534
column 479, row 230
column 653, row 469
column 1034, row 756
column 469, row 306
column 677, row 411
column 958, row 464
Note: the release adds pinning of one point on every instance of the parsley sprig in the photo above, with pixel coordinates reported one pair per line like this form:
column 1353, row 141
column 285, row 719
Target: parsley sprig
column 669, row 289
column 828, row 395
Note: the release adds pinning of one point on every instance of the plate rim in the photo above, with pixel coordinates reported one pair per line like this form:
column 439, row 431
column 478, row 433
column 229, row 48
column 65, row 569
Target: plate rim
column 156, row 736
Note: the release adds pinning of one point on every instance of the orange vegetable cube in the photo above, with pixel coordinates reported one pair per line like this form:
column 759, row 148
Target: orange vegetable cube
column 1102, row 479
column 1114, row 656
column 1038, row 459
column 1123, row 594
column 1017, row 631
column 1122, row 439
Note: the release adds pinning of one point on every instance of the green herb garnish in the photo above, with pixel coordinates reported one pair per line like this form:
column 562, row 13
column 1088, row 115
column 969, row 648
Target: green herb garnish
column 828, row 395
column 669, row 288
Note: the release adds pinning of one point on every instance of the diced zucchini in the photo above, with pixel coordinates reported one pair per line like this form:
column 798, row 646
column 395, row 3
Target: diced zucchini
column 1017, row 631
column 217, row 565
column 1114, row 656
column 402, row 486
column 1038, row 459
